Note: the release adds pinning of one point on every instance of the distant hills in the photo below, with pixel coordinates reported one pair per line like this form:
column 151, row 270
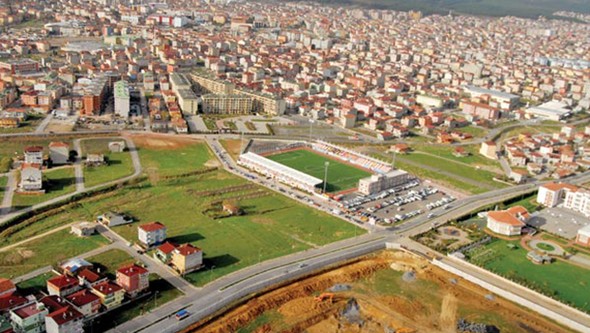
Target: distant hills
column 521, row 8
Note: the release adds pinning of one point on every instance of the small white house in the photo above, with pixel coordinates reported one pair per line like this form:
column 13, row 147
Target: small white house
column 31, row 178
column 59, row 153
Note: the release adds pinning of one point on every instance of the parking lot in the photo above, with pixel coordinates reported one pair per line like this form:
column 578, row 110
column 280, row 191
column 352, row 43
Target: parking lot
column 395, row 205
column 559, row 221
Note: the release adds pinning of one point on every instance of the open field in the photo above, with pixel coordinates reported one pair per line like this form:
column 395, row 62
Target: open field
column 559, row 279
column 57, row 182
column 272, row 226
column 340, row 176
column 119, row 164
column 391, row 291
column 46, row 251
column 110, row 261
column 460, row 169
column 35, row 285
column 172, row 156
column 474, row 159
column 14, row 147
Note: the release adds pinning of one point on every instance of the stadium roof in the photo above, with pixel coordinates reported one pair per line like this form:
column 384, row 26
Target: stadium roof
column 280, row 168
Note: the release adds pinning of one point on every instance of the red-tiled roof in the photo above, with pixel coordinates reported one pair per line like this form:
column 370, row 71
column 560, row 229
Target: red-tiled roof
column 65, row 315
column 559, row 186
column 132, row 270
column 82, row 297
column 167, row 247
column 27, row 311
column 58, row 144
column 54, row 302
column 187, row 249
column 152, row 226
column 62, row 281
column 33, row 149
column 107, row 288
column 6, row 285
column 89, row 275
column 10, row 301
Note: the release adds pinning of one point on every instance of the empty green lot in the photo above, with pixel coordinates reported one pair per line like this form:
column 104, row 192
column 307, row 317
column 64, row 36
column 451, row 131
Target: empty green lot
column 119, row 164
column 340, row 176
column 566, row 282
column 57, row 182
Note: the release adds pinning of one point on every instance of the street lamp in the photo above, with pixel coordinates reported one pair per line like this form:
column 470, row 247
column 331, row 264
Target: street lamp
column 259, row 254
column 326, row 164
column 310, row 129
column 155, row 299
column 211, row 273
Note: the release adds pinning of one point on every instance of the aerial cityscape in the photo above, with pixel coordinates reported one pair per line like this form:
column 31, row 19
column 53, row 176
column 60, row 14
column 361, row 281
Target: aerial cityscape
column 284, row 166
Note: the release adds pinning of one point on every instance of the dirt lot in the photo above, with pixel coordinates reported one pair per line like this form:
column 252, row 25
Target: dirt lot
column 155, row 141
column 389, row 292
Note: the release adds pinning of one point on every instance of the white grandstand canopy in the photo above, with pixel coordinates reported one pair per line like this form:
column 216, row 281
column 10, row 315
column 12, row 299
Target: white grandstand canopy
column 281, row 169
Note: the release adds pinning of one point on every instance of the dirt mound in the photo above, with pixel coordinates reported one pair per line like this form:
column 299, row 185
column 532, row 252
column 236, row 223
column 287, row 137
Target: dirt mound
column 302, row 289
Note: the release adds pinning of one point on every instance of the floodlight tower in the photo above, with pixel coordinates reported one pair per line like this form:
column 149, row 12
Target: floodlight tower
column 326, row 164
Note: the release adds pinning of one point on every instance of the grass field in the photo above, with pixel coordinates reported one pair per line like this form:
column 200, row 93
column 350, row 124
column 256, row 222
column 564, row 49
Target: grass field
column 566, row 282
column 170, row 161
column 340, row 176
column 110, row 261
column 119, row 166
column 57, row 182
column 46, row 251
column 273, row 225
column 35, row 285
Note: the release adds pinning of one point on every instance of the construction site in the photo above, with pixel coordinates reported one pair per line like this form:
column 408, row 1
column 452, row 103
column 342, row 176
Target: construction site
column 391, row 292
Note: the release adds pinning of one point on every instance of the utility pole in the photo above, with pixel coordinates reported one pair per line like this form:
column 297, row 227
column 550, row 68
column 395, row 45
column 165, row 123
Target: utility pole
column 155, row 298
column 242, row 143
column 326, row 164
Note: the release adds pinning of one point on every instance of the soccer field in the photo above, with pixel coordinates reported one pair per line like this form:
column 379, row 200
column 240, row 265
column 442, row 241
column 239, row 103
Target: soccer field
column 340, row 176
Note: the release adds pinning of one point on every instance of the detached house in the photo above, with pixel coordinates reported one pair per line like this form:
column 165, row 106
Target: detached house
column 508, row 222
column 187, row 258
column 31, row 178
column 63, row 285
column 110, row 294
column 34, row 155
column 65, row 320
column 59, row 153
column 151, row 234
column 85, row 302
column 29, row 318
column 134, row 279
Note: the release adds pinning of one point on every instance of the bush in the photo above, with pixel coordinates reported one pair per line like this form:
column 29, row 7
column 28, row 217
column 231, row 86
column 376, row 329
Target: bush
column 5, row 164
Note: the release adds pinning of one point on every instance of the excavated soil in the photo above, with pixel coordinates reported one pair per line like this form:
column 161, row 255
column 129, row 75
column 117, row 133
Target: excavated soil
column 433, row 303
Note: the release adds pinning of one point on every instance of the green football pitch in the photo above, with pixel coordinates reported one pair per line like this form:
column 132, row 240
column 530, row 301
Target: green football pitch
column 340, row 176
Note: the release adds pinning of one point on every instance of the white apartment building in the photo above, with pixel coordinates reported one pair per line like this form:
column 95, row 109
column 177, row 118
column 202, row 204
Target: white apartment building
column 122, row 99
column 578, row 201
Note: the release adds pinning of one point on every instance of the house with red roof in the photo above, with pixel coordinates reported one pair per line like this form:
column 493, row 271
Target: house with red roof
column 187, row 258
column 65, row 320
column 63, row 285
column 29, row 317
column 11, row 301
column 133, row 278
column 164, row 252
column 110, row 294
column 508, row 222
column 7, row 287
column 150, row 234
column 85, row 302
column 89, row 277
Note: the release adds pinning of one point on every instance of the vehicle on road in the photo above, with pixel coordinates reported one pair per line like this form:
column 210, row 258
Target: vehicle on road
column 180, row 315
